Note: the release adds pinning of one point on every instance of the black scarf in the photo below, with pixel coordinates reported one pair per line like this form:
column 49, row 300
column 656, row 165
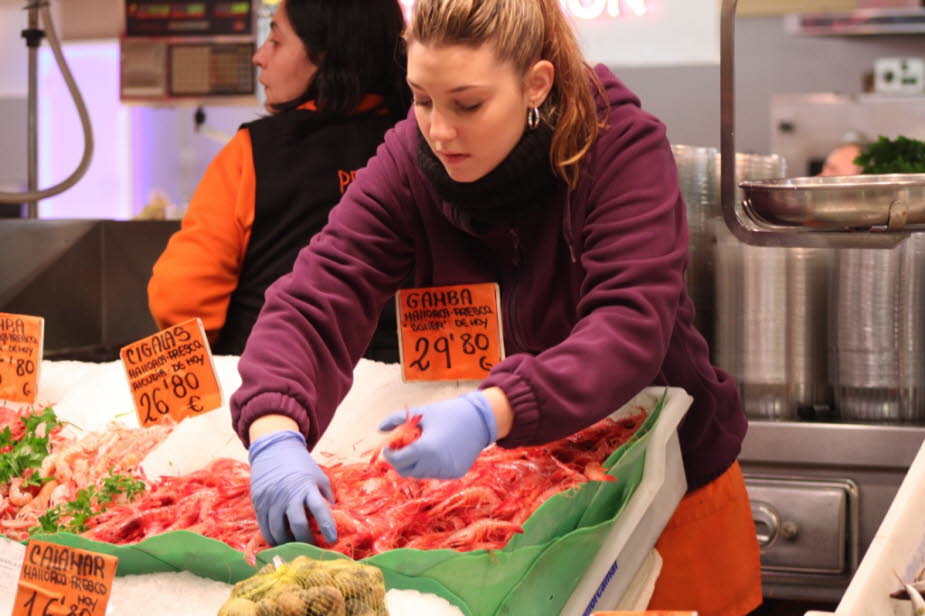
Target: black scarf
column 513, row 192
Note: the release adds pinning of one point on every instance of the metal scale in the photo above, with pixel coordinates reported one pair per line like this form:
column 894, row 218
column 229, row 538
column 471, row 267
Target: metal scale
column 188, row 49
column 819, row 490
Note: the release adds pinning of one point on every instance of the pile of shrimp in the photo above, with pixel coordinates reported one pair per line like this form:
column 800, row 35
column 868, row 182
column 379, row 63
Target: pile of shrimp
column 377, row 510
column 72, row 465
column 213, row 501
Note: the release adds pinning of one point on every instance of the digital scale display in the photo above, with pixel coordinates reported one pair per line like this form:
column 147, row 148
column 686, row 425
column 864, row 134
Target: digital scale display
column 191, row 17
column 188, row 49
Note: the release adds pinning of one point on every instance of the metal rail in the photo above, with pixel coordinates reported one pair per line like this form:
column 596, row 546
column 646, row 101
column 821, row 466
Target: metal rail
column 742, row 222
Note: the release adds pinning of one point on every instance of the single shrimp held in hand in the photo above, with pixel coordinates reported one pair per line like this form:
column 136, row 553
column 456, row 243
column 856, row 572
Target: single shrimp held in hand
column 406, row 433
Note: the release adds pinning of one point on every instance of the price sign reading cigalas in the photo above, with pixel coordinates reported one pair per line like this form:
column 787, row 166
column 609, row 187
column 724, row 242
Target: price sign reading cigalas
column 57, row 580
column 449, row 333
column 21, row 341
column 171, row 374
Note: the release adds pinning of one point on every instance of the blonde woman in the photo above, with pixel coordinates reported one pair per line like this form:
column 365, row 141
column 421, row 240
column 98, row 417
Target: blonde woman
column 520, row 165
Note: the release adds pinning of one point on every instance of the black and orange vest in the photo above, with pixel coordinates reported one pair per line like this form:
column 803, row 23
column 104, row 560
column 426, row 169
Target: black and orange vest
column 303, row 162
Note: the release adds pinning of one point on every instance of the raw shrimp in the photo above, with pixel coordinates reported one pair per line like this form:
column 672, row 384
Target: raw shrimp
column 375, row 509
column 406, row 433
column 18, row 496
column 73, row 465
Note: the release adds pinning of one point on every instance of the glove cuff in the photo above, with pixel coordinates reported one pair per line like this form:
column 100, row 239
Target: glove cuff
column 268, row 440
column 483, row 406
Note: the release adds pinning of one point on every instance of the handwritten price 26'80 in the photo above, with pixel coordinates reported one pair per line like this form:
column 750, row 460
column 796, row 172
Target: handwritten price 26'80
column 179, row 387
column 468, row 344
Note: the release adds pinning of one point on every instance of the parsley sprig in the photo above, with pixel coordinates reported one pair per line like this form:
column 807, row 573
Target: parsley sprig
column 73, row 516
column 28, row 451
column 900, row 155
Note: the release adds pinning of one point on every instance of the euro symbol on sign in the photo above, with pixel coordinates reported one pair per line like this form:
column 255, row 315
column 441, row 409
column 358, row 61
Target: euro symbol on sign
column 193, row 406
column 25, row 389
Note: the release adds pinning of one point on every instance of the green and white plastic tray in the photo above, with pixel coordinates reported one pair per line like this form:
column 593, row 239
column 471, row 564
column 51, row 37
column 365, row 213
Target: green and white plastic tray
column 579, row 551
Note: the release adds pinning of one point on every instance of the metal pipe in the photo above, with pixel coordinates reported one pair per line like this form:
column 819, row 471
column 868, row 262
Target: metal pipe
column 32, row 128
column 738, row 219
column 727, row 116
column 33, row 38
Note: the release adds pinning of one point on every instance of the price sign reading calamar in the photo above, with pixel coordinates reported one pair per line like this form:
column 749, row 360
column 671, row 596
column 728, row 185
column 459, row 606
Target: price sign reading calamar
column 647, row 613
column 449, row 333
column 21, row 341
column 171, row 374
column 57, row 580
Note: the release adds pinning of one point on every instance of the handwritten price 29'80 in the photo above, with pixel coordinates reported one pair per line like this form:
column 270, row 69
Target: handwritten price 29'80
column 468, row 344
column 179, row 387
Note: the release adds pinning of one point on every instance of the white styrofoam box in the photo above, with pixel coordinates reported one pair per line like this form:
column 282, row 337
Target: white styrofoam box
column 899, row 75
column 899, row 546
column 637, row 528
column 637, row 595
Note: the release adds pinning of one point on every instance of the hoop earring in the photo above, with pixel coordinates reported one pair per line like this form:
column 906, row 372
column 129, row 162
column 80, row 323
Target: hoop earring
column 533, row 118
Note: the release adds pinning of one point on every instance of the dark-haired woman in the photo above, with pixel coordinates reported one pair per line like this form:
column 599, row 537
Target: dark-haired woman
column 334, row 76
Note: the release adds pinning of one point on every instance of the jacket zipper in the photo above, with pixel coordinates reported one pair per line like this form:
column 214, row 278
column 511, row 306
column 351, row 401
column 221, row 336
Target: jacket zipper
column 567, row 225
column 515, row 238
column 513, row 325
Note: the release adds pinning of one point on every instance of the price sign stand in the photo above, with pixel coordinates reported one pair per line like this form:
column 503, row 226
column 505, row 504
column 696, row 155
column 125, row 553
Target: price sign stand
column 449, row 333
column 58, row 580
column 21, row 342
column 171, row 374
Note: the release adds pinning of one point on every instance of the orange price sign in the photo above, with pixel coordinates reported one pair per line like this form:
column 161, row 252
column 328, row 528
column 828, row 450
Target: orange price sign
column 58, row 580
column 171, row 374
column 449, row 333
column 647, row 613
column 21, row 341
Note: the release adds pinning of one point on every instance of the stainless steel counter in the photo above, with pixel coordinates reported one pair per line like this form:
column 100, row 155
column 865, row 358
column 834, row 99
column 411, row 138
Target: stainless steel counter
column 841, row 478
column 88, row 278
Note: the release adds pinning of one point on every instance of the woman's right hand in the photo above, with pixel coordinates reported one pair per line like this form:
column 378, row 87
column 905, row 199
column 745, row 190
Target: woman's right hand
column 285, row 480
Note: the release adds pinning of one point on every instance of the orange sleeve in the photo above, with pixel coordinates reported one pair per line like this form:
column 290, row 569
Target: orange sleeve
column 199, row 268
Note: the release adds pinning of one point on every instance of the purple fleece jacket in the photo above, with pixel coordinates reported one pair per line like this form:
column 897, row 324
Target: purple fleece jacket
column 593, row 296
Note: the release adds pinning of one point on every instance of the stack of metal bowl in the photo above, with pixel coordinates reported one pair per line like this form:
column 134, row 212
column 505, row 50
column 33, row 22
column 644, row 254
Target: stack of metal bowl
column 878, row 333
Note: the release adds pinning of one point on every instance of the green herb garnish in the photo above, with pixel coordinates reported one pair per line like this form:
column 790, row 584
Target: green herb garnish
column 73, row 516
column 900, row 155
column 30, row 450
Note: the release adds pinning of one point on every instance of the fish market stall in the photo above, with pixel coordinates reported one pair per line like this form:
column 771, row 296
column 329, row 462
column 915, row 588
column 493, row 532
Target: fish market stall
column 587, row 546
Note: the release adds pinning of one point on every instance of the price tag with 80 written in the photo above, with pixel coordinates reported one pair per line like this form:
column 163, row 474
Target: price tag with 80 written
column 21, row 341
column 449, row 333
column 171, row 374
column 58, row 580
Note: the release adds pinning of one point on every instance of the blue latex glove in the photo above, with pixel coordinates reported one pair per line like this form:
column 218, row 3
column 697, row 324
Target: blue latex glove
column 284, row 481
column 453, row 433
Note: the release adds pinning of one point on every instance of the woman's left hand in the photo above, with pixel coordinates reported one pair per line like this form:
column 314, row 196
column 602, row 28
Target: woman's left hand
column 453, row 433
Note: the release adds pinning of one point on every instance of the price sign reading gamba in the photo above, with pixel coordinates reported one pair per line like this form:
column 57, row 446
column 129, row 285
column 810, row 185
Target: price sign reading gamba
column 171, row 374
column 449, row 333
column 58, row 580
column 21, row 341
